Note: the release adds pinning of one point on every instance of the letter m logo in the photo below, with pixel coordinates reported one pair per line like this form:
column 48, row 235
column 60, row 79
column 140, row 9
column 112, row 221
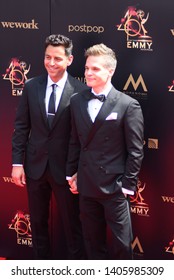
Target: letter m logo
column 172, row 30
column 135, row 84
column 136, row 243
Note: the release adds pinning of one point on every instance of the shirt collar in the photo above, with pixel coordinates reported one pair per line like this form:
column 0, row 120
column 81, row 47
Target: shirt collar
column 105, row 92
column 60, row 83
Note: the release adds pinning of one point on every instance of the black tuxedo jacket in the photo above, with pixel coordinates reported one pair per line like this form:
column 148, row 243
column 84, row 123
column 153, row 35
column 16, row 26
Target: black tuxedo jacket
column 108, row 153
column 33, row 142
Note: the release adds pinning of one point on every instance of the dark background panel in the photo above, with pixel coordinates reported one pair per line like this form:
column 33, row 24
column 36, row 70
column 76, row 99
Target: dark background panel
column 87, row 23
column 23, row 28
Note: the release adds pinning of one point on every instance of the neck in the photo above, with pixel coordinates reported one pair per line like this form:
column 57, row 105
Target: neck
column 100, row 89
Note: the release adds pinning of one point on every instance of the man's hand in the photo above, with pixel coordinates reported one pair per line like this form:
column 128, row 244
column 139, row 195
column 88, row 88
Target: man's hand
column 18, row 176
column 73, row 184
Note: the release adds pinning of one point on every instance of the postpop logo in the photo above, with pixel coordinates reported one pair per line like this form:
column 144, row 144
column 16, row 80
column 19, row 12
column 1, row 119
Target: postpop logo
column 85, row 28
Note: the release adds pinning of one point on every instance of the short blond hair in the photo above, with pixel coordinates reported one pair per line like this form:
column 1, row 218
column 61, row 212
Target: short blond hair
column 103, row 50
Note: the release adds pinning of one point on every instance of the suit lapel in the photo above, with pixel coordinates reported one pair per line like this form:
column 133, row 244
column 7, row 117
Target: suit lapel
column 107, row 107
column 105, row 110
column 41, row 96
column 84, row 108
column 64, row 101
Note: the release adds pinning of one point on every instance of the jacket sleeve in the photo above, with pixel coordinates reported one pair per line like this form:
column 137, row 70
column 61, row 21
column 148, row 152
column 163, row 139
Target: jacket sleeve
column 21, row 130
column 74, row 147
column 134, row 136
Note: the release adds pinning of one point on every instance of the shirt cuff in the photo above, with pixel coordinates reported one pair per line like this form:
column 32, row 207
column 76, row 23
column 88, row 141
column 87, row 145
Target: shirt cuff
column 126, row 191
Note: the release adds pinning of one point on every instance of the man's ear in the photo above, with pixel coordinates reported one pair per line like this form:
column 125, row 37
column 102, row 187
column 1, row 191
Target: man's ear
column 111, row 72
column 70, row 60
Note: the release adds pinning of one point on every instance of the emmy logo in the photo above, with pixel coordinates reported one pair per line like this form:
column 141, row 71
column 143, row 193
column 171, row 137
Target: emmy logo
column 21, row 224
column 133, row 24
column 171, row 87
column 170, row 247
column 138, row 199
column 16, row 73
column 138, row 206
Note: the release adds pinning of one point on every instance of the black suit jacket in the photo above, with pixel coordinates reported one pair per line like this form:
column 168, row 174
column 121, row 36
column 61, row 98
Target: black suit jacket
column 108, row 153
column 33, row 142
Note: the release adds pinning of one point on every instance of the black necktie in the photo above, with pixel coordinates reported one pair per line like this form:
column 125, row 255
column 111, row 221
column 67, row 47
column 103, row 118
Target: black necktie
column 51, row 105
column 100, row 97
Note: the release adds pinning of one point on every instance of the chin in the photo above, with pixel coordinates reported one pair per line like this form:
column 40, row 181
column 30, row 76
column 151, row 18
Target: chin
column 89, row 84
column 53, row 77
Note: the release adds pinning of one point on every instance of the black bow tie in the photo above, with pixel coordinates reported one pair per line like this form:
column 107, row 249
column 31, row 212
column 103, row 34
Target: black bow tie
column 100, row 97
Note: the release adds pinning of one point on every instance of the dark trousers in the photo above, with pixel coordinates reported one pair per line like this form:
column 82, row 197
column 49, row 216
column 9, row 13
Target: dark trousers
column 96, row 215
column 39, row 197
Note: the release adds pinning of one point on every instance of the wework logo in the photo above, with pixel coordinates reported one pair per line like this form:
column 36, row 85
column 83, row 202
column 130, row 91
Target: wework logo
column 8, row 180
column 168, row 199
column 20, row 25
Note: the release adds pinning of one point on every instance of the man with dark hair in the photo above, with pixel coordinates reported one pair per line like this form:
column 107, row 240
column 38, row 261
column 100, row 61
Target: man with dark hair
column 105, row 155
column 40, row 146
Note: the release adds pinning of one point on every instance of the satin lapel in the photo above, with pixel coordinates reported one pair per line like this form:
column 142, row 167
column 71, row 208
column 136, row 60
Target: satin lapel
column 84, row 107
column 105, row 110
column 41, row 97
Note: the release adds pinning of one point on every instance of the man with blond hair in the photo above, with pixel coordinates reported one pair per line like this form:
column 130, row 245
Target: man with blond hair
column 105, row 156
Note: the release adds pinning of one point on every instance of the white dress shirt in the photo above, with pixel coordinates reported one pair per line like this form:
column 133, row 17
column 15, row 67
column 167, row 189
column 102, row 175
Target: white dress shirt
column 94, row 105
column 59, row 89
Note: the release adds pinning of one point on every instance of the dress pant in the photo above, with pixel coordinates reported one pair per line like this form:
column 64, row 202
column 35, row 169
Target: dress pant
column 39, row 197
column 98, row 214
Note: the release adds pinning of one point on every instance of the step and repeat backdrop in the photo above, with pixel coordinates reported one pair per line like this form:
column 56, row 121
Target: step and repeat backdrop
column 142, row 35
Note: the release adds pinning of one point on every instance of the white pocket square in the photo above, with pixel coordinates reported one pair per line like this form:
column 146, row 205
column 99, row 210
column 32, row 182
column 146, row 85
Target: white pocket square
column 112, row 116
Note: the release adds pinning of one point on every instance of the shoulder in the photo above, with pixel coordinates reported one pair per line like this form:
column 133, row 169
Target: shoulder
column 36, row 80
column 76, row 83
column 125, row 98
column 80, row 96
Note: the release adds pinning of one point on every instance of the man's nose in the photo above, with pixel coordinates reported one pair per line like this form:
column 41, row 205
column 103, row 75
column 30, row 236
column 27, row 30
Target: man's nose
column 88, row 72
column 52, row 62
